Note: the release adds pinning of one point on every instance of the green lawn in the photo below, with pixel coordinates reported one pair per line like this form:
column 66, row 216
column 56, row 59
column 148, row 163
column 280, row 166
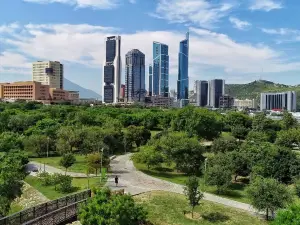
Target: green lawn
column 80, row 166
column 51, row 193
column 236, row 191
column 167, row 209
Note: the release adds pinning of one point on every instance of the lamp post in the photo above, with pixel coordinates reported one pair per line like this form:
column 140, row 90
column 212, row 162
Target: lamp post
column 101, row 164
column 47, row 147
column 205, row 167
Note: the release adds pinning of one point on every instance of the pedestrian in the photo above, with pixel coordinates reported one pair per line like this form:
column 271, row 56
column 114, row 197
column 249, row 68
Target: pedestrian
column 116, row 180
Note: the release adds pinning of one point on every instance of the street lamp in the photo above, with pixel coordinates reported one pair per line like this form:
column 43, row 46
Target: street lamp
column 47, row 147
column 101, row 164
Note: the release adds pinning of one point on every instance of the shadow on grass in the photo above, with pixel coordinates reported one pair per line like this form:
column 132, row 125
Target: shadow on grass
column 215, row 217
column 164, row 174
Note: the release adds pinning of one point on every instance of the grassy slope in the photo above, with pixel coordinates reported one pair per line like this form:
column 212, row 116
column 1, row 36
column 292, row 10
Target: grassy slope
column 236, row 192
column 49, row 191
column 167, row 209
column 253, row 89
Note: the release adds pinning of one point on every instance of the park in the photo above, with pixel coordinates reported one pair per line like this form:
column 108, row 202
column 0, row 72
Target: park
column 195, row 165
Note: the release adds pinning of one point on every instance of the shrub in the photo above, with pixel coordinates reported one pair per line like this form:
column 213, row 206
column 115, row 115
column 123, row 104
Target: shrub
column 46, row 179
column 65, row 184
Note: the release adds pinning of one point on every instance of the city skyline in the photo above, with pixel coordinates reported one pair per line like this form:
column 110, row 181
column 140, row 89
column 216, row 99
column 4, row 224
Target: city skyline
column 238, row 41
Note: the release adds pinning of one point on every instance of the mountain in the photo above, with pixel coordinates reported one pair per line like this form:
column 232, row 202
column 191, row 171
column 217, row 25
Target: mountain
column 83, row 92
column 253, row 89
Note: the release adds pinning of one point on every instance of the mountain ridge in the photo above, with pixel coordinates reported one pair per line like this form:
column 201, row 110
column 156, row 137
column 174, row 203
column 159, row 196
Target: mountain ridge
column 83, row 92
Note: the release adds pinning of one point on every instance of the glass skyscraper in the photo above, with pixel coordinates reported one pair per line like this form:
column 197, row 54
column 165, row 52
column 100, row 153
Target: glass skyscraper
column 183, row 70
column 160, row 69
column 135, row 76
column 150, row 80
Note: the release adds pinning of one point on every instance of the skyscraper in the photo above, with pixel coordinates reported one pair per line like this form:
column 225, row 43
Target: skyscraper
column 216, row 89
column 150, row 80
column 279, row 101
column 201, row 92
column 135, row 76
column 183, row 70
column 112, row 70
column 160, row 78
column 48, row 73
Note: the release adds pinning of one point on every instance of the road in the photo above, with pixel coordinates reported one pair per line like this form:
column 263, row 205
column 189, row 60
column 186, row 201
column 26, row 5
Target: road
column 136, row 182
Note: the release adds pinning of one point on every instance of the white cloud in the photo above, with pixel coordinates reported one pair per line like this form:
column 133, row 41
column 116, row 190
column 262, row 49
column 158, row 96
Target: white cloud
column 85, row 44
column 202, row 13
column 97, row 4
column 283, row 34
column 239, row 24
column 7, row 28
column 265, row 5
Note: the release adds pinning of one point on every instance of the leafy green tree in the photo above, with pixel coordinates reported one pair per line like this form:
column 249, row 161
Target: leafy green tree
column 288, row 138
column 149, row 156
column 289, row 216
column 94, row 161
column 238, row 119
column 267, row 194
column 192, row 192
column 257, row 136
column 138, row 135
column 107, row 209
column 94, row 140
column 67, row 161
column 297, row 187
column 37, row 144
column 48, row 127
column 239, row 132
column 219, row 172
column 10, row 141
column 224, row 145
column 240, row 164
column 69, row 138
column 288, row 121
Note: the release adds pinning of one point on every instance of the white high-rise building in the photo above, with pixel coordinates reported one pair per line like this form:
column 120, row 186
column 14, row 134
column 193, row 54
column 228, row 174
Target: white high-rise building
column 112, row 70
column 278, row 101
column 48, row 73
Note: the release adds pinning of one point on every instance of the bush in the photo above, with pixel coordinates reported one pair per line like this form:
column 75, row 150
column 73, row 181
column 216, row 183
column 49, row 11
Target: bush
column 65, row 184
column 46, row 178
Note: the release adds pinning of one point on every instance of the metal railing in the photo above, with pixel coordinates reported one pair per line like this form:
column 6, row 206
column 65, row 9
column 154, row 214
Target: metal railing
column 45, row 208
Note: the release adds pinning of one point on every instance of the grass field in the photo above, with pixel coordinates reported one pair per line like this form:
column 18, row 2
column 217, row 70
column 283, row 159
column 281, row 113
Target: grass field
column 235, row 192
column 167, row 209
column 51, row 193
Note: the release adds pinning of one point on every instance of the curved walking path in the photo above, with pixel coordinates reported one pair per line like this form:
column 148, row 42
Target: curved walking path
column 136, row 182
column 33, row 166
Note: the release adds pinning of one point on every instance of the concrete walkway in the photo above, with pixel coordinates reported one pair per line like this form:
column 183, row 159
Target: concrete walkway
column 32, row 166
column 136, row 182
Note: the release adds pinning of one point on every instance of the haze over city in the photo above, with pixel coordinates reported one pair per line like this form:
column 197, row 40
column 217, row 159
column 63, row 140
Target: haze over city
column 232, row 40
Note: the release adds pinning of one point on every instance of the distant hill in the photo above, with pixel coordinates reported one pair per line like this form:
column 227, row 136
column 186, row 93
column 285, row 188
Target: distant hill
column 83, row 92
column 253, row 90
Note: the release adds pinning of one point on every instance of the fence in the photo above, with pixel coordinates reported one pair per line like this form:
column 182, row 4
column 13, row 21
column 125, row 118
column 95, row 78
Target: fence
column 41, row 210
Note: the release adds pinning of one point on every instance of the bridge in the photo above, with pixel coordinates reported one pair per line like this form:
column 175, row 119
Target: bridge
column 56, row 212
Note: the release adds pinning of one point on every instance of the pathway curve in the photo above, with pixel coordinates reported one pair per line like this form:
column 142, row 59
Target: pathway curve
column 36, row 166
column 136, row 182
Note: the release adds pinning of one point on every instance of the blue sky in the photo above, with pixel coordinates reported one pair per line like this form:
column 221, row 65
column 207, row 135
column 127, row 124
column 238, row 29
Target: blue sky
column 237, row 40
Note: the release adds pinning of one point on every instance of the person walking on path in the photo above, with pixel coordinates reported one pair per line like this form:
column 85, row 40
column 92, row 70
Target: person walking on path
column 116, row 180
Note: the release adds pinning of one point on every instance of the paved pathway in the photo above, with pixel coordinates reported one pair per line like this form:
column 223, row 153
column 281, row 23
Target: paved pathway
column 33, row 166
column 136, row 182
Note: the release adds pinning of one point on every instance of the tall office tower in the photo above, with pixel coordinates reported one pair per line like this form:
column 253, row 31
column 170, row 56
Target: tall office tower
column 183, row 70
column 48, row 73
column 201, row 92
column 61, row 76
column 282, row 101
column 112, row 70
column 135, row 76
column 150, row 80
column 160, row 79
column 122, row 91
column 216, row 89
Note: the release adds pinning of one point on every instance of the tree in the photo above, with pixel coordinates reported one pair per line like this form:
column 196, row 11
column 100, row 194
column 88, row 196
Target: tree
column 94, row 161
column 224, row 145
column 238, row 119
column 288, row 121
column 267, row 194
column 191, row 190
column 219, row 172
column 257, row 136
column 297, row 187
column 94, row 140
column 10, row 141
column 67, row 161
column 149, row 156
column 139, row 135
column 105, row 208
column 239, row 132
column 37, row 144
column 69, row 138
column 288, row 138
column 289, row 216
column 240, row 164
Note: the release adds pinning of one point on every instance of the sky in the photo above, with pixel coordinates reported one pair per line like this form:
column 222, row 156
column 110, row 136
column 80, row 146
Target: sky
column 236, row 40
